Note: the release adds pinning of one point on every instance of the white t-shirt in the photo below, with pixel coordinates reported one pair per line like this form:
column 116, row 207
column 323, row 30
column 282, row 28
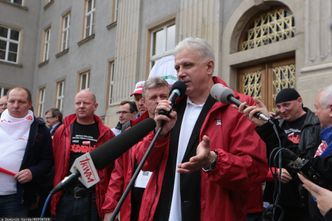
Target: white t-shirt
column 14, row 134
column 190, row 117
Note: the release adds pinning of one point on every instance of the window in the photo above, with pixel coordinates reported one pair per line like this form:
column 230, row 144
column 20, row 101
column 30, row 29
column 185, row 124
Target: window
column 110, row 82
column 41, row 101
column 3, row 91
column 84, row 80
column 65, row 32
column 60, row 87
column 89, row 18
column 18, row 2
column 46, row 44
column 268, row 27
column 114, row 11
column 9, row 44
column 162, row 42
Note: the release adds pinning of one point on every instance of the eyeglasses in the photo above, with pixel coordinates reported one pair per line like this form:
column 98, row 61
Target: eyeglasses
column 122, row 112
column 49, row 117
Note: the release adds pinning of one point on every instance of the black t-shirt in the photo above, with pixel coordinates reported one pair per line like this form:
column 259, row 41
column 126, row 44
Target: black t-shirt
column 292, row 194
column 83, row 140
column 293, row 131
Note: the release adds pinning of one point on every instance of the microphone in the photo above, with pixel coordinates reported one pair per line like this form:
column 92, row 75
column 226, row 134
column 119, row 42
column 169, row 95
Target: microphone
column 84, row 167
column 178, row 89
column 226, row 95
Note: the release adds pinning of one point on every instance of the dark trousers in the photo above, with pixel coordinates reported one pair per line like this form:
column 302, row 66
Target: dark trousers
column 72, row 208
column 10, row 206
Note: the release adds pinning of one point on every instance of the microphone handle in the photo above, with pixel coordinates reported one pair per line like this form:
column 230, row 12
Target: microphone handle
column 233, row 100
column 172, row 98
column 258, row 115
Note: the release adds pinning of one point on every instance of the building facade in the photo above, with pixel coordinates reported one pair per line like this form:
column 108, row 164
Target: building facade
column 56, row 48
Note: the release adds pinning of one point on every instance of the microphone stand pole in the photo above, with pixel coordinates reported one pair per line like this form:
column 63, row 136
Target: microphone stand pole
column 133, row 179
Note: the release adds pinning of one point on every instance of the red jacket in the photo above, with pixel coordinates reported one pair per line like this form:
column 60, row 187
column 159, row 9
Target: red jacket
column 61, row 150
column 120, row 177
column 241, row 165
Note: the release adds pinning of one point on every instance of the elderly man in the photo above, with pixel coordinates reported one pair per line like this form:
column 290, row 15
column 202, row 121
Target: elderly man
column 3, row 104
column 26, row 155
column 155, row 89
column 80, row 133
column 208, row 156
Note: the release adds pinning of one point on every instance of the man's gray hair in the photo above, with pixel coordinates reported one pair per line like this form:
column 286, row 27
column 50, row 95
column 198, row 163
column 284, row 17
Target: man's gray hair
column 155, row 82
column 326, row 96
column 199, row 44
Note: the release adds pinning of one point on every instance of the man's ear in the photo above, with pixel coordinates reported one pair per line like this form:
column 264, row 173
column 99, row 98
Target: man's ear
column 210, row 67
column 330, row 110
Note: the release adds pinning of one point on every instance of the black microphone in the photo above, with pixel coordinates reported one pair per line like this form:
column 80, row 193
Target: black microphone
column 178, row 89
column 116, row 146
column 106, row 153
column 226, row 95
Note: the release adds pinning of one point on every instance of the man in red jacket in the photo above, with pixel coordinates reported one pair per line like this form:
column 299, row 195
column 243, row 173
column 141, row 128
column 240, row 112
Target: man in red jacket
column 208, row 156
column 80, row 133
column 154, row 89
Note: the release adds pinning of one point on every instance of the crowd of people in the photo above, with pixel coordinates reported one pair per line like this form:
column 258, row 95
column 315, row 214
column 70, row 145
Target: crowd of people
column 210, row 161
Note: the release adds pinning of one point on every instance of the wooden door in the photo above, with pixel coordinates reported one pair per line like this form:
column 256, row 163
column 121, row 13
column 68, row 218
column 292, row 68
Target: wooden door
column 265, row 80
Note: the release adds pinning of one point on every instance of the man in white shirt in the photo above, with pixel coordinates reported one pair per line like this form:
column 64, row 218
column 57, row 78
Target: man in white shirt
column 25, row 155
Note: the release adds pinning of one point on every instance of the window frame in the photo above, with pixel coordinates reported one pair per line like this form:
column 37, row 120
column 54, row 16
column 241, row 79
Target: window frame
column 163, row 27
column 3, row 91
column 114, row 16
column 13, row 2
column 65, row 31
column 86, row 73
column 60, row 88
column 89, row 15
column 9, row 41
column 41, row 101
column 110, row 82
column 45, row 56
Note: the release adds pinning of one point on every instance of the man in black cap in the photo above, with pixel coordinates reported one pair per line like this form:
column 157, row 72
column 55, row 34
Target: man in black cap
column 299, row 130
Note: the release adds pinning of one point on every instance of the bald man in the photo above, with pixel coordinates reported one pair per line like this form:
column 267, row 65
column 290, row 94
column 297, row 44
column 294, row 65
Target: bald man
column 80, row 133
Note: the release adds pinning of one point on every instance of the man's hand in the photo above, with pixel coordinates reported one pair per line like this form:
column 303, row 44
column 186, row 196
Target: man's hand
column 322, row 195
column 24, row 176
column 167, row 122
column 285, row 176
column 203, row 157
column 250, row 111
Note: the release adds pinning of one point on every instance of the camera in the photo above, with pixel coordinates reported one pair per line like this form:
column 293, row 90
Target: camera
column 306, row 168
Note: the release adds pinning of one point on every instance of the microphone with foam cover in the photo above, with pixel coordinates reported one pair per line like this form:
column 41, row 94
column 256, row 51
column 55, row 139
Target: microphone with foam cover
column 226, row 95
column 115, row 147
column 107, row 152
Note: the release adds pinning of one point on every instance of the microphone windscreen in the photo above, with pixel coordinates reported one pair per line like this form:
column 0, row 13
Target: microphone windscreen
column 179, row 85
column 116, row 146
column 221, row 93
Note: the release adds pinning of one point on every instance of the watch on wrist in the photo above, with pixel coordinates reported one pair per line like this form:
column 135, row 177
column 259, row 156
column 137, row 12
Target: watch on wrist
column 212, row 164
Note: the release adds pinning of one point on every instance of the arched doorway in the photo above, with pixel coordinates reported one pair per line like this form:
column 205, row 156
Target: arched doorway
column 266, row 77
